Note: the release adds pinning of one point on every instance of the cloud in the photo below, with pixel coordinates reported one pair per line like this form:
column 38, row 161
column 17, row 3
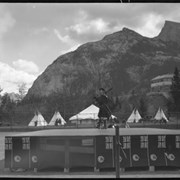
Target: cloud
column 11, row 77
column 150, row 27
column 6, row 21
column 85, row 25
column 38, row 31
column 93, row 26
column 65, row 39
column 70, row 49
column 26, row 66
column 69, row 44
column 94, row 21
column 87, row 28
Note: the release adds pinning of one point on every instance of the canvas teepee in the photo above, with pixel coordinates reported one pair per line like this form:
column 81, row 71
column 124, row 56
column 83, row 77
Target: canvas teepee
column 90, row 112
column 38, row 120
column 134, row 117
column 160, row 115
column 57, row 116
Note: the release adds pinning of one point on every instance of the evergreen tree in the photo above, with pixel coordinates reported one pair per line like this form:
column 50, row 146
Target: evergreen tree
column 0, row 105
column 7, row 108
column 142, row 106
column 175, row 90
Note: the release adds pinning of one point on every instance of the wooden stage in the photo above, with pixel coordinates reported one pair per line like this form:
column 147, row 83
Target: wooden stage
column 98, row 132
column 92, row 148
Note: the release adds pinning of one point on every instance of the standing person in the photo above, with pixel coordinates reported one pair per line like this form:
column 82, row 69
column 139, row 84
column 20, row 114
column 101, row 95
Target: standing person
column 35, row 123
column 104, row 111
column 56, row 122
column 126, row 125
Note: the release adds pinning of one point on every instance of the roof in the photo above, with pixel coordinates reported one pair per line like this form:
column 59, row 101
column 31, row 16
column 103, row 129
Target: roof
column 162, row 77
column 97, row 132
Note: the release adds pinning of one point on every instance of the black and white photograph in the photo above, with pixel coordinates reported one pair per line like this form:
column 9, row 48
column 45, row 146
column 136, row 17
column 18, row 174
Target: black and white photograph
column 90, row 90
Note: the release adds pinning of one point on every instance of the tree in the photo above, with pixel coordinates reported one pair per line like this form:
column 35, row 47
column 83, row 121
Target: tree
column 115, row 104
column 0, row 105
column 7, row 107
column 175, row 90
column 142, row 106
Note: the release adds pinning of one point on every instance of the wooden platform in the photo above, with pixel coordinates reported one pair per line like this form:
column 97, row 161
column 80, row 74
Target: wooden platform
column 92, row 148
column 99, row 132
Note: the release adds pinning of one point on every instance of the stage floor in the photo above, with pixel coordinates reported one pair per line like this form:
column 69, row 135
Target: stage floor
column 98, row 132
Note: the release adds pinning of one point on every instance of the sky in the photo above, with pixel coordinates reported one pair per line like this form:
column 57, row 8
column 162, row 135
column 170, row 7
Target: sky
column 33, row 35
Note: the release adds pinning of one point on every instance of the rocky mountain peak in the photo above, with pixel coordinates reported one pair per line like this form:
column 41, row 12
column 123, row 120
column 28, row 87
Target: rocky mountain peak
column 170, row 32
column 126, row 33
column 129, row 31
column 123, row 60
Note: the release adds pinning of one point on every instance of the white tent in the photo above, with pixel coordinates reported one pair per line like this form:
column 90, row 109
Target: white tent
column 134, row 117
column 32, row 122
column 39, row 119
column 160, row 115
column 57, row 116
column 90, row 112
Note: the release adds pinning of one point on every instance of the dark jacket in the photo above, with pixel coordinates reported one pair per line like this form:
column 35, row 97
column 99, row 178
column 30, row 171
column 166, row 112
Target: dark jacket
column 102, row 102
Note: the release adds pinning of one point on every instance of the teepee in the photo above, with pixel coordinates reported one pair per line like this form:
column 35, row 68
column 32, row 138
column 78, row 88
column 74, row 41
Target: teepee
column 38, row 120
column 134, row 117
column 57, row 116
column 160, row 115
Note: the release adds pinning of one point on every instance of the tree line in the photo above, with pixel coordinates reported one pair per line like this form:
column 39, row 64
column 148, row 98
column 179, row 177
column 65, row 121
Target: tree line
column 8, row 103
column 21, row 108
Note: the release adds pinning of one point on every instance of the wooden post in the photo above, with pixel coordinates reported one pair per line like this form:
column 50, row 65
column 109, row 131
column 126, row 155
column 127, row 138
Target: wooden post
column 35, row 170
column 151, row 168
column 67, row 151
column 66, row 170
column 122, row 169
column 117, row 150
column 96, row 170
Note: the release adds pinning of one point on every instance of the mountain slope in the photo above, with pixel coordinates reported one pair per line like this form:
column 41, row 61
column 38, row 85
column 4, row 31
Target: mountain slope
column 124, row 60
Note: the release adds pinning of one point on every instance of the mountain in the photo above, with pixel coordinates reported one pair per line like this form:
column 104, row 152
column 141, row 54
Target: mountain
column 14, row 97
column 124, row 60
column 170, row 32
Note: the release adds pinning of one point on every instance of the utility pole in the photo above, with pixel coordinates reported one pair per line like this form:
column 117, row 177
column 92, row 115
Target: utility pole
column 117, row 150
